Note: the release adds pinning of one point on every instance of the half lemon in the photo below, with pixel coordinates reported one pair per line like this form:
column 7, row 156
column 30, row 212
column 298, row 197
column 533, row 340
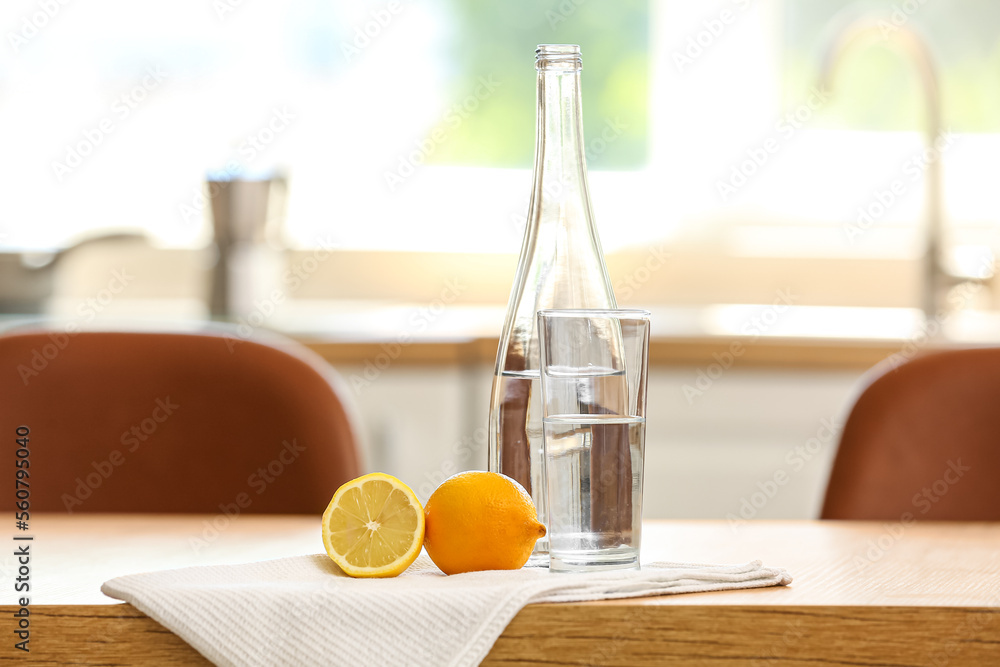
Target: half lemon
column 374, row 526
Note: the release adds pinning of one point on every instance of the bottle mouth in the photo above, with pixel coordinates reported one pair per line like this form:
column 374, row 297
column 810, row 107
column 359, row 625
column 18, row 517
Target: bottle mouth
column 562, row 57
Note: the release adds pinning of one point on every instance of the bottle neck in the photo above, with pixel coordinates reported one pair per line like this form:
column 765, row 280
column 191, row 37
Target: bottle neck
column 560, row 160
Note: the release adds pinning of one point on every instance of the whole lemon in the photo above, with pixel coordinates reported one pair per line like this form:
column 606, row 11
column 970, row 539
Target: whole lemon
column 480, row 521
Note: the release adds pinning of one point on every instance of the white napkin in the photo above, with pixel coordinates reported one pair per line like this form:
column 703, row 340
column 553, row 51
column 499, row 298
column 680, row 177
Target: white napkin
column 305, row 611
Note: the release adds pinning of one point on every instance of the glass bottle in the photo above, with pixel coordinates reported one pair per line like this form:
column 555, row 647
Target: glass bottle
column 561, row 266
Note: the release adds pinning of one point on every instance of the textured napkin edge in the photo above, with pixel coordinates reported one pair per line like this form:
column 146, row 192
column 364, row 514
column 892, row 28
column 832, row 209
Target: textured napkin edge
column 168, row 619
column 761, row 578
column 578, row 587
column 486, row 635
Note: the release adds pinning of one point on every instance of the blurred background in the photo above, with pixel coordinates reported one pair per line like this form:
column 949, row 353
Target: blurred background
column 800, row 190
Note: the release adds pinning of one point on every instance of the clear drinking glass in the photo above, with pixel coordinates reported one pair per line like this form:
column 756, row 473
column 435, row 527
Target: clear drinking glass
column 593, row 377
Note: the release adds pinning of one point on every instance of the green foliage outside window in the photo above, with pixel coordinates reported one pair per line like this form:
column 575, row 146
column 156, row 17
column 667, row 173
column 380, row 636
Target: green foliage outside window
column 498, row 39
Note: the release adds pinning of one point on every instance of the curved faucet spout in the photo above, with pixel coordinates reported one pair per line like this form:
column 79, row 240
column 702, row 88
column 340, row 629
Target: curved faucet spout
column 864, row 32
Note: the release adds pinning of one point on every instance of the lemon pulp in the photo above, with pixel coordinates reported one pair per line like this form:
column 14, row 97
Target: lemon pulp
column 374, row 526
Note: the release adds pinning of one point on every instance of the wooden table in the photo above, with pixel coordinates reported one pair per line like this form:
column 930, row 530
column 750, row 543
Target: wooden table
column 864, row 594
column 757, row 352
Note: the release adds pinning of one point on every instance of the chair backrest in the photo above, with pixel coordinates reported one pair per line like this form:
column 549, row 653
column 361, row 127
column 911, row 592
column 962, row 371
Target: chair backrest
column 174, row 422
column 924, row 440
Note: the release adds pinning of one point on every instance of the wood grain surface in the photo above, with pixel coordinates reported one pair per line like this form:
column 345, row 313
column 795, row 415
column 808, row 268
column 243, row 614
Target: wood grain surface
column 863, row 594
column 676, row 351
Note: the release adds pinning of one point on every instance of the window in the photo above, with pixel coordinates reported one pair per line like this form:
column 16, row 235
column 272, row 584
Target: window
column 409, row 126
column 114, row 112
column 763, row 160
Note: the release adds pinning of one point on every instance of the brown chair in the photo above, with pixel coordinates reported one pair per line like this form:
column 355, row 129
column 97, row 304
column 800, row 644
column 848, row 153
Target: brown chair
column 173, row 422
column 923, row 439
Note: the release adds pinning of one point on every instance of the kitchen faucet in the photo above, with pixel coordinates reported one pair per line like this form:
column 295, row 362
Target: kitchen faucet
column 936, row 278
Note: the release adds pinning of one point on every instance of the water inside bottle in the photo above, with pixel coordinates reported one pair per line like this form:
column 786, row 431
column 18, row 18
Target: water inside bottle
column 520, row 450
